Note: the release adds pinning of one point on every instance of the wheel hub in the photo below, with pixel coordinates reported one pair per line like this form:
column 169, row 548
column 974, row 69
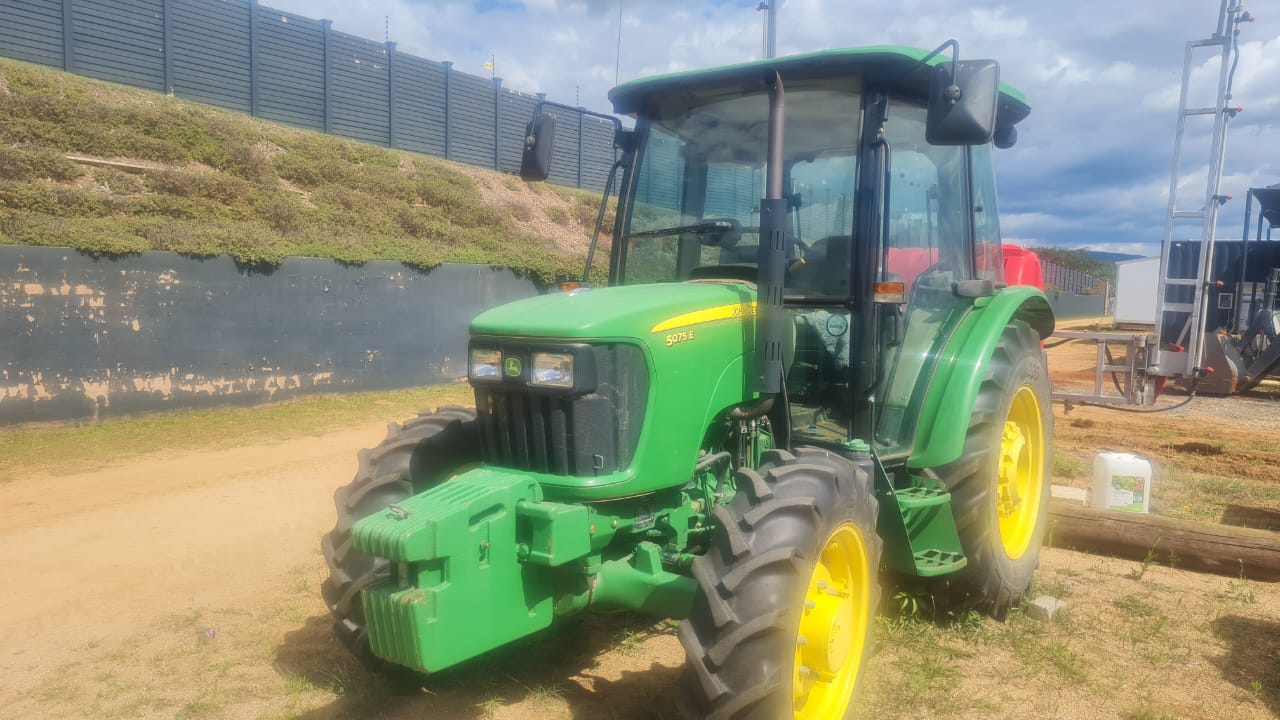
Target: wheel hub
column 827, row 626
column 1020, row 473
column 832, row 632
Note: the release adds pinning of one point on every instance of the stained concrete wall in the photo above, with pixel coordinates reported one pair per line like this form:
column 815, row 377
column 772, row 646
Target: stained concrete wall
column 87, row 337
column 1069, row 305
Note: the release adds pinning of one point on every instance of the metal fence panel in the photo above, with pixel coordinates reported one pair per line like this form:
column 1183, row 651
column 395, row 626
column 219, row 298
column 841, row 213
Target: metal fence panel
column 289, row 59
column 358, row 100
column 419, row 104
column 210, row 49
column 471, row 119
column 516, row 109
column 597, row 152
column 32, row 31
column 120, row 41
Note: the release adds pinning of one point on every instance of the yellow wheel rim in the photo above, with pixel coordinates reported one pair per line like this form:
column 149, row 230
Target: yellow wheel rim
column 1020, row 476
column 833, row 628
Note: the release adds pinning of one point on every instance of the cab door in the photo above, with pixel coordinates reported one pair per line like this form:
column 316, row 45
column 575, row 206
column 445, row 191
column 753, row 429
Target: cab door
column 927, row 247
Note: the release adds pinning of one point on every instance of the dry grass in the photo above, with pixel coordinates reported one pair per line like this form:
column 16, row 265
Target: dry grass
column 76, row 447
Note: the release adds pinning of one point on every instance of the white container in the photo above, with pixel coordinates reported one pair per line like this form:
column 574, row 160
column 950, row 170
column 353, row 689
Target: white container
column 1136, row 291
column 1121, row 481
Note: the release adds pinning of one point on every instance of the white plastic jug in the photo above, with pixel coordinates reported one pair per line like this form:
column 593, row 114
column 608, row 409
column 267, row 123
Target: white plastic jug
column 1121, row 481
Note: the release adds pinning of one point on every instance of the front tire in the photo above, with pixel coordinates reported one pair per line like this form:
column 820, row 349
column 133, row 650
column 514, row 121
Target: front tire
column 1000, row 486
column 414, row 457
column 783, row 620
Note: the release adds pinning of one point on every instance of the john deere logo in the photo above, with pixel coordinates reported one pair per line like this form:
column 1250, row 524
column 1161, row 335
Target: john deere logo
column 512, row 367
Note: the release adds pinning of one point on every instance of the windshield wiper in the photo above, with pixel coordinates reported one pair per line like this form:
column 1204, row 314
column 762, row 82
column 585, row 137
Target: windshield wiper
column 702, row 228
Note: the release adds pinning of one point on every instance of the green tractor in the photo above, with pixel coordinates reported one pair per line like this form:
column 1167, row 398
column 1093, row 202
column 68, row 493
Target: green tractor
column 805, row 374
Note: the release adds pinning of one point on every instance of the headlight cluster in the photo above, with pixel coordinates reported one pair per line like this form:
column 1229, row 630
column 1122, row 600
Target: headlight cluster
column 549, row 369
column 486, row 365
column 552, row 370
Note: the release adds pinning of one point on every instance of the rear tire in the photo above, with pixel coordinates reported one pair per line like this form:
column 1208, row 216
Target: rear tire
column 414, row 457
column 1000, row 485
column 784, row 614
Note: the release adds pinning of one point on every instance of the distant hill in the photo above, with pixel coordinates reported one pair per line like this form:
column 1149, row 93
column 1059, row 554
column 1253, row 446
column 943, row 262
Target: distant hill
column 1112, row 257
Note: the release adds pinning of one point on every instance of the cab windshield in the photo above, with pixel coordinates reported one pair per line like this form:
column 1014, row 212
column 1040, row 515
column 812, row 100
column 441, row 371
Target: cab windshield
column 699, row 178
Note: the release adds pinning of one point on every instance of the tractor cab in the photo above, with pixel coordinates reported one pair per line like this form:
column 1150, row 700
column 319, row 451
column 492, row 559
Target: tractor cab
column 881, row 228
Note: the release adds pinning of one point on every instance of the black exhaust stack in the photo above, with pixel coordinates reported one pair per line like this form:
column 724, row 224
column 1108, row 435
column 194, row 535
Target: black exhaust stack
column 771, row 319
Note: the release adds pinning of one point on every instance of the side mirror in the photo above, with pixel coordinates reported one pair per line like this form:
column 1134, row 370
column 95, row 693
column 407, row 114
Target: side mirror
column 962, row 109
column 539, row 135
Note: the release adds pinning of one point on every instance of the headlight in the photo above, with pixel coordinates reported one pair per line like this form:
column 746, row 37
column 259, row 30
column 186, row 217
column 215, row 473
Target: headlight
column 486, row 365
column 552, row 370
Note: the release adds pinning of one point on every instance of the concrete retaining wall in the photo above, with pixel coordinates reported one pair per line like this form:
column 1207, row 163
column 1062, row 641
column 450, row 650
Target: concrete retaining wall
column 88, row 337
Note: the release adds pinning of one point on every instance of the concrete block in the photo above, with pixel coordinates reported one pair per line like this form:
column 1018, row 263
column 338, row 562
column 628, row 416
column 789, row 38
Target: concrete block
column 1045, row 607
column 1079, row 496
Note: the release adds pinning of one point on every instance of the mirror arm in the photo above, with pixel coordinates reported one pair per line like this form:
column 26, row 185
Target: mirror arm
column 604, row 207
column 953, row 90
column 617, row 124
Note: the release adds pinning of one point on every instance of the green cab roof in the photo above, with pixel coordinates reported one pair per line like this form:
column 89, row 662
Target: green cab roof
column 891, row 65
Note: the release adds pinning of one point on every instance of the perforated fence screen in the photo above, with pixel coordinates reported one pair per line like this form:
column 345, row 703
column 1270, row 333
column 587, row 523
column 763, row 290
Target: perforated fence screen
column 240, row 55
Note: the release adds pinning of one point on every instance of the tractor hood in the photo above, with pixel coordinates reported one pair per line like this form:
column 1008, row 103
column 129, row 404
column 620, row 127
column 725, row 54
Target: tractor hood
column 635, row 311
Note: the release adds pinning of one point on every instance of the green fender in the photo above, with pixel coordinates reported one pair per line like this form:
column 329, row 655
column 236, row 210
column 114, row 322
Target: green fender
column 944, row 417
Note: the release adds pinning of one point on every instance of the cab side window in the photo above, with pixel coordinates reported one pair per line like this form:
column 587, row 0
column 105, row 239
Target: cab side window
column 989, row 258
column 927, row 250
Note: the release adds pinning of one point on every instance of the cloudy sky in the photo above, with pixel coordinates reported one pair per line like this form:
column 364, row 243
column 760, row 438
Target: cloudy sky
column 1091, row 168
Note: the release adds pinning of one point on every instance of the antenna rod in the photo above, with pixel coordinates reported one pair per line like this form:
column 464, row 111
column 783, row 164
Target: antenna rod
column 617, row 53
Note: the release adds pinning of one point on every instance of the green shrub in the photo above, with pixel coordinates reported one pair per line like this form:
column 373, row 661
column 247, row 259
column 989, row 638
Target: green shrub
column 52, row 200
column 36, row 164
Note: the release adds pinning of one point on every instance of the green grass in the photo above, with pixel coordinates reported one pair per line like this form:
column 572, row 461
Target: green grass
column 1065, row 466
column 62, row 448
column 223, row 183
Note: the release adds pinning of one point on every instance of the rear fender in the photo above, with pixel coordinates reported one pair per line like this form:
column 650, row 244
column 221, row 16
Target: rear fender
column 948, row 405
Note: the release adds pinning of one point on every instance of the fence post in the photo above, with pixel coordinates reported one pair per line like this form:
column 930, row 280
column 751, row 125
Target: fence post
column 326, row 29
column 68, row 37
column 448, row 70
column 579, row 147
column 497, row 123
column 166, row 7
column 391, row 93
column 253, row 57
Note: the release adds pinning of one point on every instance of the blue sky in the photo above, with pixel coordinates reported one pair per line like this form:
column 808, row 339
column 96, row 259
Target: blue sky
column 1091, row 167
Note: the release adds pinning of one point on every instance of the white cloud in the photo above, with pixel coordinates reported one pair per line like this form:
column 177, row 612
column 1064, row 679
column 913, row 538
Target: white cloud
column 994, row 23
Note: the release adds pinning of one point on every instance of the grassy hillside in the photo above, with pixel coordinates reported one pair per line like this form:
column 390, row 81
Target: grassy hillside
column 201, row 181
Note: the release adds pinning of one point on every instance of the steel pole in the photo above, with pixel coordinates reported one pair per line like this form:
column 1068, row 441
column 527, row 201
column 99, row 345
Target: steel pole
column 771, row 30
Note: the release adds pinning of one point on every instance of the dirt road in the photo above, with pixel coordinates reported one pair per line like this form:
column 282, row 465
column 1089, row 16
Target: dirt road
column 186, row 586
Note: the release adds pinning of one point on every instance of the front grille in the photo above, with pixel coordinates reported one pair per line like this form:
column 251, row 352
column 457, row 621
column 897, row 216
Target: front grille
column 565, row 434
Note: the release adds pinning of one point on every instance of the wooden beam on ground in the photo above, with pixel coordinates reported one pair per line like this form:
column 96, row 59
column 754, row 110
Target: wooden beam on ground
column 1205, row 547
column 129, row 167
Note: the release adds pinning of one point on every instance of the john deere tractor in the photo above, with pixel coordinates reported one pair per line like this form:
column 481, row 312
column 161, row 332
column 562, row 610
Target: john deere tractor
column 804, row 375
